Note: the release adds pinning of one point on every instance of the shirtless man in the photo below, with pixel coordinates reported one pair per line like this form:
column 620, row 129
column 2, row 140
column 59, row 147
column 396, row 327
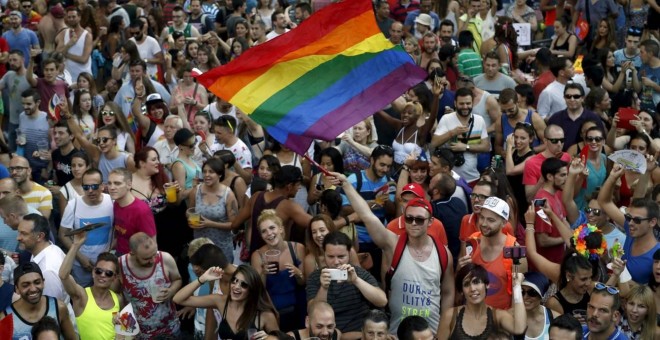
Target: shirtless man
column 49, row 26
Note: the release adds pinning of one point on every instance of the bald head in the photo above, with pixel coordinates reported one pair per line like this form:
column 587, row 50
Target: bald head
column 321, row 320
column 19, row 169
column 18, row 161
column 8, row 186
column 137, row 240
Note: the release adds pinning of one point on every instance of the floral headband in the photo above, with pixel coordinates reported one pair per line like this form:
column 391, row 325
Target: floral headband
column 579, row 239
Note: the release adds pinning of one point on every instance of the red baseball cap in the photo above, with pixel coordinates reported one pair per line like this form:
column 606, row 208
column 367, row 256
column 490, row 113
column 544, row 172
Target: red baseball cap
column 422, row 203
column 414, row 188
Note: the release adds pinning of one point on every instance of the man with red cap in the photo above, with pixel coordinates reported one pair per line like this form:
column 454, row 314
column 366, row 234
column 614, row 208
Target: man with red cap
column 420, row 280
column 398, row 225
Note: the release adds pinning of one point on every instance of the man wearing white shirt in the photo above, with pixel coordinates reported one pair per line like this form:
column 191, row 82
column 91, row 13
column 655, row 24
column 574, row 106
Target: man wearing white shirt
column 148, row 47
column 279, row 25
column 33, row 234
column 551, row 99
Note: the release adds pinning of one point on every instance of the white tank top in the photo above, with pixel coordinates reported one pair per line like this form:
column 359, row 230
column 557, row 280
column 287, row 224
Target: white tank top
column 73, row 67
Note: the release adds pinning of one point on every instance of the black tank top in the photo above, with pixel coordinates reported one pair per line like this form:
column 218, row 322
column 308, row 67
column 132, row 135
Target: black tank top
column 225, row 331
column 459, row 333
column 570, row 307
column 260, row 205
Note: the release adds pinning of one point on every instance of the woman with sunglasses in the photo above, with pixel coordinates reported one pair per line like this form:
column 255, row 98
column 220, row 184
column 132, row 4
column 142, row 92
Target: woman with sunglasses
column 518, row 150
column 184, row 169
column 247, row 307
column 80, row 163
column 577, row 149
column 111, row 116
column 596, row 166
column 539, row 316
column 473, row 319
column 282, row 273
column 638, row 321
column 217, row 206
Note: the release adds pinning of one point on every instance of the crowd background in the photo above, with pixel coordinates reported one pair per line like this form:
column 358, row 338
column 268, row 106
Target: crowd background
column 210, row 228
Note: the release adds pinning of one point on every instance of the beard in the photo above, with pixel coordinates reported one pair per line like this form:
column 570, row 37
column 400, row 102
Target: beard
column 464, row 112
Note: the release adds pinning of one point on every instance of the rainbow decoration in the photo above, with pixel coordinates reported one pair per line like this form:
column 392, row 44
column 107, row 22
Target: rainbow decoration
column 333, row 70
column 54, row 110
column 579, row 239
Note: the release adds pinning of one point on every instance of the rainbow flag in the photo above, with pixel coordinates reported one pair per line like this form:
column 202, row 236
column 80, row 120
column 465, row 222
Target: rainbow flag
column 333, row 70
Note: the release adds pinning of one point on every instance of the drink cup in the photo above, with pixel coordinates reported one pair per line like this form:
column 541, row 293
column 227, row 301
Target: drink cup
column 21, row 139
column 273, row 261
column 154, row 291
column 251, row 332
column 170, row 192
column 43, row 149
column 194, row 218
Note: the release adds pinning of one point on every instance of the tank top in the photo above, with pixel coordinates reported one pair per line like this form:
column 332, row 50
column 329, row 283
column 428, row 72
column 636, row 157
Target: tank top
column 403, row 149
column 282, row 287
column 568, row 307
column 107, row 165
column 507, row 129
column 625, row 194
column 218, row 213
column 545, row 333
column 260, row 205
column 76, row 68
column 499, row 274
column 563, row 47
column 96, row 323
column 480, row 108
column 225, row 331
column 191, row 172
column 154, row 318
column 459, row 332
column 23, row 328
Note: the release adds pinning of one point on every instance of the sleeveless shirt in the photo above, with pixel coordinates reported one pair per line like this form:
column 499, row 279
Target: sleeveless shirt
column 23, row 328
column 95, row 322
column 76, row 68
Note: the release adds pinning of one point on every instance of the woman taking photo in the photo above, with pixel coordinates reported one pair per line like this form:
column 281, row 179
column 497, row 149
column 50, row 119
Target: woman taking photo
column 356, row 146
column 148, row 185
column 474, row 319
column 244, row 308
column 111, row 115
column 216, row 205
column 80, row 163
column 280, row 265
column 330, row 160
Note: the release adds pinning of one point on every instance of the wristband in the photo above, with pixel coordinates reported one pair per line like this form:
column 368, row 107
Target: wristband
column 530, row 229
column 517, row 294
column 406, row 168
column 200, row 281
column 347, row 221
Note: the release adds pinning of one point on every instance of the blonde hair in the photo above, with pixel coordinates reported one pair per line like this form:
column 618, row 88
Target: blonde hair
column 644, row 295
column 269, row 215
column 369, row 125
column 197, row 243
column 416, row 106
column 414, row 42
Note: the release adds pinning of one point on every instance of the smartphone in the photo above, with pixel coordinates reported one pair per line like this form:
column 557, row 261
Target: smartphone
column 628, row 76
column 515, row 253
column 338, row 274
column 539, row 203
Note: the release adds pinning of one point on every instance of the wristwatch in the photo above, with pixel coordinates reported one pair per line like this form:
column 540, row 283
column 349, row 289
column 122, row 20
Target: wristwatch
column 467, row 148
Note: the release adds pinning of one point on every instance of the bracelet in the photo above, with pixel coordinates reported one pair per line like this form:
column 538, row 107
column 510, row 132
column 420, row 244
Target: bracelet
column 347, row 221
column 405, row 168
column 200, row 281
column 530, row 229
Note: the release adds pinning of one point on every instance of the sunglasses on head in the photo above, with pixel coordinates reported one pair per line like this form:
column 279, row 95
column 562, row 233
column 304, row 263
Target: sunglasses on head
column 415, row 220
column 594, row 139
column 636, row 219
column 102, row 140
column 107, row 113
column 635, row 31
column 107, row 273
column 611, row 290
column 594, row 211
column 531, row 293
column 555, row 140
column 243, row 284
column 87, row 187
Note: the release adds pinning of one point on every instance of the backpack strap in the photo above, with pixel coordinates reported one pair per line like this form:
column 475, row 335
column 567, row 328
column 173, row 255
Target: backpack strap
column 358, row 177
column 398, row 252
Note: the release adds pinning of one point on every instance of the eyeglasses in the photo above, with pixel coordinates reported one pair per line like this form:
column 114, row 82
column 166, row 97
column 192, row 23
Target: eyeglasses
column 415, row 220
column 594, row 139
column 87, row 187
column 107, row 273
column 26, row 6
column 596, row 212
column 102, row 140
column 478, row 197
column 17, row 168
column 572, row 96
column 243, row 284
column 611, row 290
column 556, row 140
column 107, row 113
column 531, row 293
column 636, row 219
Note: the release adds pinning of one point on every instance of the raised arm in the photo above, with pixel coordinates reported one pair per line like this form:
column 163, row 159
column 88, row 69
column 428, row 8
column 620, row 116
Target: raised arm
column 605, row 196
column 382, row 237
column 75, row 291
column 136, row 105
column 548, row 268
column 29, row 73
column 516, row 323
column 184, row 296
column 574, row 170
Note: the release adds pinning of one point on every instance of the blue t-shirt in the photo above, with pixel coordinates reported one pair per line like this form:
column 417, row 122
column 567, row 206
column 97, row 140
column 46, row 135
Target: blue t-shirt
column 367, row 191
column 640, row 267
column 4, row 173
column 23, row 41
column 649, row 97
column 616, row 335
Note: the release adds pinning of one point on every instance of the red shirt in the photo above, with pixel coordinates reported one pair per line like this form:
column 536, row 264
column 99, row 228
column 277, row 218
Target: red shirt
column 532, row 171
column 133, row 218
column 4, row 47
column 541, row 83
column 553, row 253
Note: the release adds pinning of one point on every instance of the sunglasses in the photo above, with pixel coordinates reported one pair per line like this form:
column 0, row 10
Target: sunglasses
column 594, row 139
column 87, row 187
column 107, row 113
column 634, row 31
column 107, row 273
column 478, row 196
column 102, row 140
column 556, row 140
column 243, row 284
column 610, row 289
column 572, row 96
column 531, row 293
column 523, row 124
column 596, row 212
column 415, row 220
column 636, row 219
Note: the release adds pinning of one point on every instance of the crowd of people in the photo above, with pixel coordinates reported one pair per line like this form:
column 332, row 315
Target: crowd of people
column 514, row 194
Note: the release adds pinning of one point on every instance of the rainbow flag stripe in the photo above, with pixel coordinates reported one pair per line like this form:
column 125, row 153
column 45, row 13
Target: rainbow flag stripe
column 333, row 70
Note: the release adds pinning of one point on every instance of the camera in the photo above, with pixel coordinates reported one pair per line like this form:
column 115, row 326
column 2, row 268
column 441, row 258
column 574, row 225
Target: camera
column 338, row 274
column 539, row 203
column 459, row 158
column 515, row 253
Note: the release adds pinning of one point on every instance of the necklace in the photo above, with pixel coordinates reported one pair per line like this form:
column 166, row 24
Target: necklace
column 419, row 253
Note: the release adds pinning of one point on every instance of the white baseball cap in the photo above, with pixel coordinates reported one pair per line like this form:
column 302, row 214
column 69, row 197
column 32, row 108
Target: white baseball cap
column 496, row 205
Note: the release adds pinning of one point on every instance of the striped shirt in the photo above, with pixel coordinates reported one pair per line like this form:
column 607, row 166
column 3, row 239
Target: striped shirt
column 39, row 198
column 469, row 63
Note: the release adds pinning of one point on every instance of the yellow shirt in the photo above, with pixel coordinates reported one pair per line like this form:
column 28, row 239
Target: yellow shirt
column 95, row 323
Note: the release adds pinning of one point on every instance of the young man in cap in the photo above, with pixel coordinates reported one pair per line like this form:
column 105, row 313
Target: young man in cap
column 488, row 252
column 33, row 305
column 424, row 266
column 398, row 225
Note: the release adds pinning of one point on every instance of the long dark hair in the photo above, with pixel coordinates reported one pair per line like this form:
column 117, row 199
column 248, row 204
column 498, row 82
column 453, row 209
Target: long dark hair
column 257, row 300
column 571, row 263
column 159, row 179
